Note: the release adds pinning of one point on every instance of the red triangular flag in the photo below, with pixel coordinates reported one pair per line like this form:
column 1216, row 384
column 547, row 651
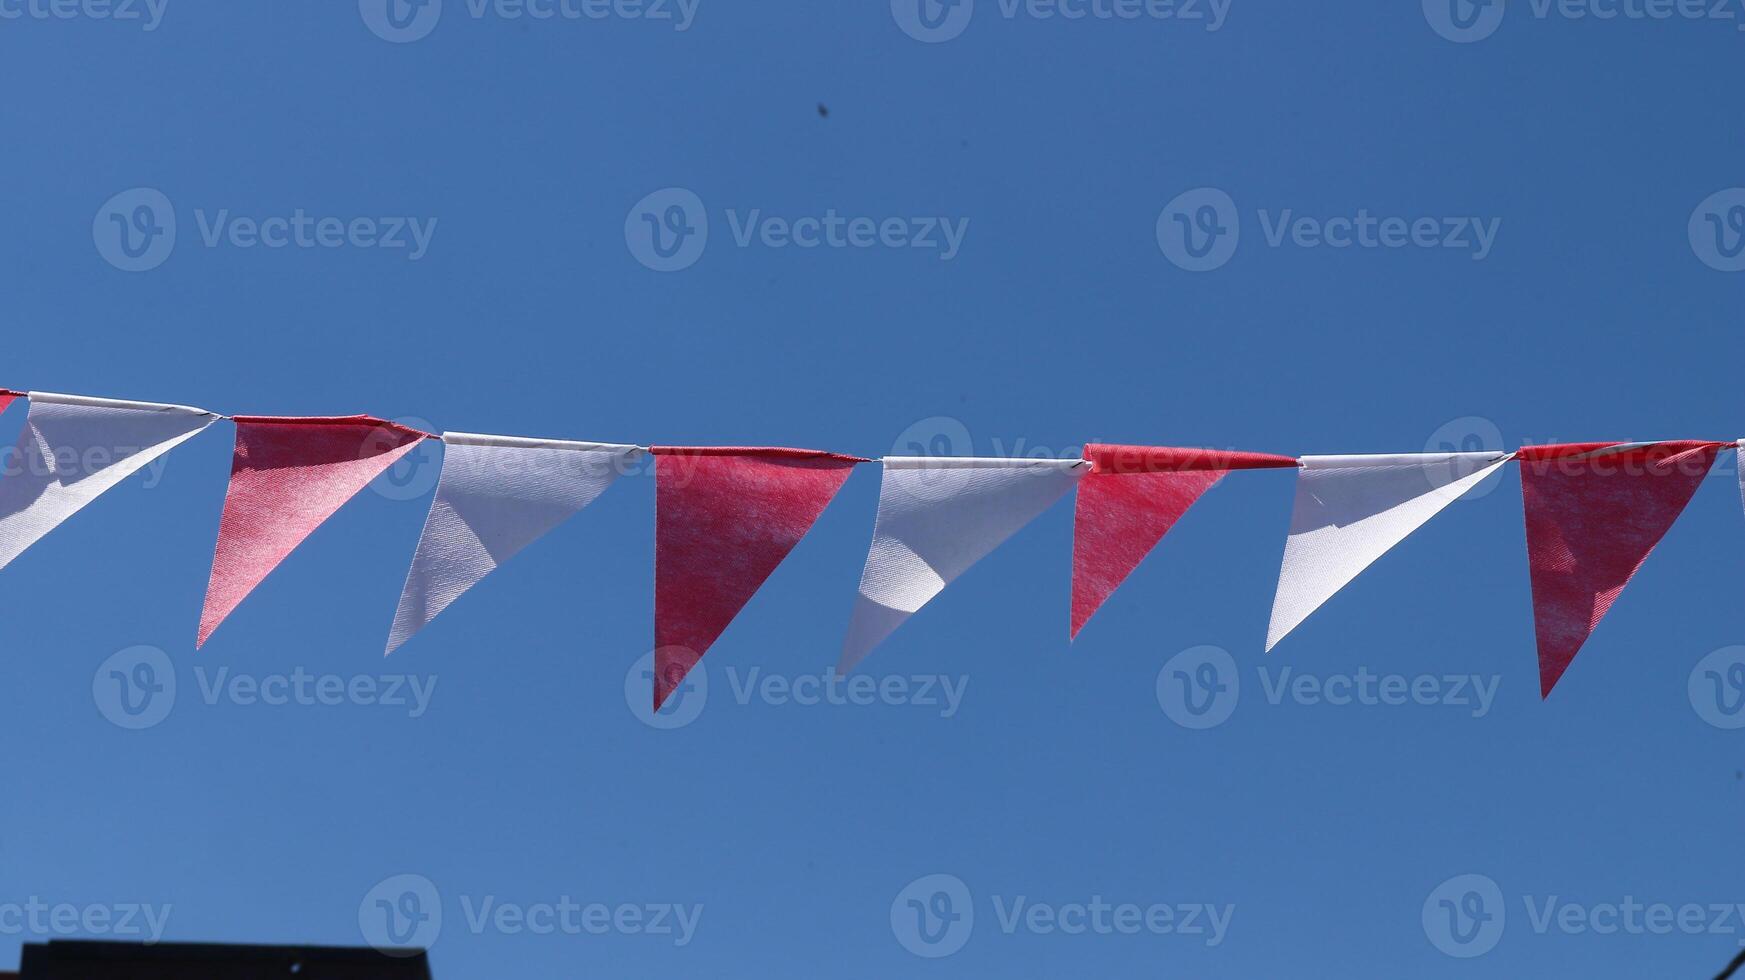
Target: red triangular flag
column 1594, row 511
column 1129, row 501
column 724, row 519
column 6, row 397
column 287, row 477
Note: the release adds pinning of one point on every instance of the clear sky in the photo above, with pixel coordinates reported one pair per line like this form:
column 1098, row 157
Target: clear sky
column 525, row 150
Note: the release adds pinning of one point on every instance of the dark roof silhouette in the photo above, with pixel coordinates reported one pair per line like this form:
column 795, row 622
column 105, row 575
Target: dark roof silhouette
column 180, row 961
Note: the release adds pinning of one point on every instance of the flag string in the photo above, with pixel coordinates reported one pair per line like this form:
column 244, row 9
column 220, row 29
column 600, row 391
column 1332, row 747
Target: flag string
column 726, row 516
column 1726, row 445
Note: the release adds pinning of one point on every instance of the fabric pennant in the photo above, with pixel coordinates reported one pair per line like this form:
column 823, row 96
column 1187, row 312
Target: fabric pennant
column 1350, row 510
column 1128, row 501
column 288, row 476
column 724, row 519
column 7, row 396
column 937, row 517
column 1739, row 447
column 1594, row 511
column 496, row 495
column 72, row 450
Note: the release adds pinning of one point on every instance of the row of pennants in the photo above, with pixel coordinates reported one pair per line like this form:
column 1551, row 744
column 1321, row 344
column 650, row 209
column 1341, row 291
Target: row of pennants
column 727, row 516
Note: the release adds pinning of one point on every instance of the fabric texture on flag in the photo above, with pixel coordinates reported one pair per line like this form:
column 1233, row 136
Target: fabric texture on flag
column 725, row 517
column 1739, row 447
column 1594, row 511
column 288, row 476
column 937, row 517
column 1350, row 510
column 72, row 450
column 1128, row 501
column 496, row 495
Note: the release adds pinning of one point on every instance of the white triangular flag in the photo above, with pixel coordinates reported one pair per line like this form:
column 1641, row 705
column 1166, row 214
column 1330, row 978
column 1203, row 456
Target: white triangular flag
column 497, row 495
column 73, row 449
column 937, row 517
column 1351, row 509
column 1740, row 448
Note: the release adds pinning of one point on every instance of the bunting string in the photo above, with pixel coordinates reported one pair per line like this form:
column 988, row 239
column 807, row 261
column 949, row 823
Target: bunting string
column 726, row 516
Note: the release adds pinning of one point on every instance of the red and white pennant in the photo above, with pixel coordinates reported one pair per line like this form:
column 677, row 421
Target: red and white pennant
column 726, row 517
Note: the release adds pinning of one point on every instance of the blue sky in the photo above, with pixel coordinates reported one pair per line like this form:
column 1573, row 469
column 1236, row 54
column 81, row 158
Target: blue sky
column 1557, row 293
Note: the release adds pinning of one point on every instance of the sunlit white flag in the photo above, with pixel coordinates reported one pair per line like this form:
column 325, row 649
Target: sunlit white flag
column 497, row 495
column 937, row 517
column 72, row 450
column 1351, row 509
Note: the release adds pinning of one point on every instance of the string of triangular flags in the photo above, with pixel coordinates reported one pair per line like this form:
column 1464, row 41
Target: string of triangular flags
column 726, row 517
